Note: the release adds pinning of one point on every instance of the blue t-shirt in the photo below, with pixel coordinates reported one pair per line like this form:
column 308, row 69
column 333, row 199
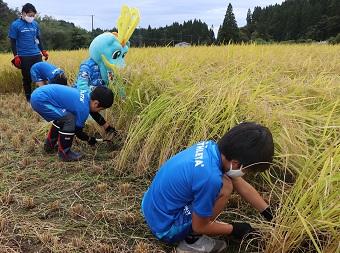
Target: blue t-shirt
column 191, row 177
column 44, row 71
column 89, row 76
column 66, row 98
column 26, row 36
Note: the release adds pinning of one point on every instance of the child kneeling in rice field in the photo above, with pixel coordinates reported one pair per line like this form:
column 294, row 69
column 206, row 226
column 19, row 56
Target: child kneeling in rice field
column 191, row 189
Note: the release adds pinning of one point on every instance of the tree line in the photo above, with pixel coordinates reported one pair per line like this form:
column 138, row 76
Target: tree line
column 62, row 35
column 293, row 21
column 56, row 34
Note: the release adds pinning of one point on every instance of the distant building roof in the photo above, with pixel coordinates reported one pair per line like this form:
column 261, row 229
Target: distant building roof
column 183, row 44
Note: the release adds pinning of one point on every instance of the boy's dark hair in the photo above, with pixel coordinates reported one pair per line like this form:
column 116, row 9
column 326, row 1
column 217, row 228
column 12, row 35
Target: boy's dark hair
column 28, row 8
column 103, row 95
column 59, row 79
column 249, row 143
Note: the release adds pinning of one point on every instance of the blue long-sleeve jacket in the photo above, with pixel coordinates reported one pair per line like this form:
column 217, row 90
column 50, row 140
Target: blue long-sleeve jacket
column 89, row 76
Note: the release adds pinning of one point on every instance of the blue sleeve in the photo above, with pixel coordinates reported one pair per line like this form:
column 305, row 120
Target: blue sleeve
column 83, row 79
column 206, row 192
column 38, row 30
column 13, row 31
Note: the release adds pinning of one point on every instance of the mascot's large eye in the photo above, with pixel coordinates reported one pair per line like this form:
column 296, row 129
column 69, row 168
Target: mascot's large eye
column 116, row 54
column 124, row 54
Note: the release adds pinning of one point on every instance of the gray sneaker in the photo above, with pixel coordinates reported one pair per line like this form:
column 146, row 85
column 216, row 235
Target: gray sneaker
column 203, row 245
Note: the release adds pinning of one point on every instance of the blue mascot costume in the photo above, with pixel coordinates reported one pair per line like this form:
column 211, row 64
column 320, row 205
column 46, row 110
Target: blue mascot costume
column 107, row 52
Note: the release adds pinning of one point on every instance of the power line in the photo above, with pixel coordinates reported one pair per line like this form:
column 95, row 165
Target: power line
column 83, row 15
column 66, row 15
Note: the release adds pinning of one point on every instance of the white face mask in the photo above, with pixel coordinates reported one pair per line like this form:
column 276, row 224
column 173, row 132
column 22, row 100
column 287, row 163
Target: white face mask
column 29, row 19
column 234, row 173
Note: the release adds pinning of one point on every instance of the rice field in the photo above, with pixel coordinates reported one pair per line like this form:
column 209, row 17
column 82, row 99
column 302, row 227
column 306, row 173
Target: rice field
column 176, row 97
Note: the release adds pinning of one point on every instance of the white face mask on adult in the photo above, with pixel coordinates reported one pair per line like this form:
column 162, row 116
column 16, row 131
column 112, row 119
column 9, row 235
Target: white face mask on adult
column 28, row 19
column 234, row 173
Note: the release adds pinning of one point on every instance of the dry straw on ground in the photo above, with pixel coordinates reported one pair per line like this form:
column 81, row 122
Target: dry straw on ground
column 175, row 97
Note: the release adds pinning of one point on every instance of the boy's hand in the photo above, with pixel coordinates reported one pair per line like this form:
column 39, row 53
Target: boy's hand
column 113, row 134
column 92, row 141
column 241, row 229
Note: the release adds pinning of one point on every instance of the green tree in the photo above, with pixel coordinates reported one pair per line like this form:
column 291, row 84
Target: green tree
column 229, row 30
column 297, row 20
column 80, row 39
column 212, row 34
column 249, row 18
column 7, row 16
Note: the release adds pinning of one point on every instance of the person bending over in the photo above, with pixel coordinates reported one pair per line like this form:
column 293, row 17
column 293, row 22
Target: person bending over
column 68, row 110
column 45, row 73
column 191, row 189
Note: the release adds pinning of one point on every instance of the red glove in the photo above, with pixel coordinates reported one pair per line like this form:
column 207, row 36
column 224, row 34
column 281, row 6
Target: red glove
column 45, row 54
column 16, row 61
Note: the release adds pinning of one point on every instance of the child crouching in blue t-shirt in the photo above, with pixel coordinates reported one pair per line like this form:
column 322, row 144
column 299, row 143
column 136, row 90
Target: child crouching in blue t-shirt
column 68, row 109
column 192, row 188
column 44, row 73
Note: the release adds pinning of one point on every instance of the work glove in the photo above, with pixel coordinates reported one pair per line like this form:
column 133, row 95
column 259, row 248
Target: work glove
column 45, row 54
column 112, row 134
column 92, row 141
column 16, row 61
column 241, row 229
column 111, row 131
column 267, row 214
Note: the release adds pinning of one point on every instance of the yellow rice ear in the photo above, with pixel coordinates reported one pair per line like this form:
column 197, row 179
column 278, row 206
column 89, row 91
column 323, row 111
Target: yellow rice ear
column 127, row 23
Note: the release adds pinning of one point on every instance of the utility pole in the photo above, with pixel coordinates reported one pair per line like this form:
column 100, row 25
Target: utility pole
column 92, row 22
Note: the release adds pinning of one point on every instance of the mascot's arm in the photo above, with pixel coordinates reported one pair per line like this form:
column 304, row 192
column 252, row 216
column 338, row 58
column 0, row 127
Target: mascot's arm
column 83, row 79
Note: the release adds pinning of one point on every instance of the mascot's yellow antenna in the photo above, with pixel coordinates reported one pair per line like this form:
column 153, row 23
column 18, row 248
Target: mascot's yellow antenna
column 127, row 23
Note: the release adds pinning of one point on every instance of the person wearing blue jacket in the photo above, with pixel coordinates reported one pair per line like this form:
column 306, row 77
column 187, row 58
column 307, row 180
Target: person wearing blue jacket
column 27, row 48
column 43, row 73
column 89, row 77
column 191, row 189
column 68, row 109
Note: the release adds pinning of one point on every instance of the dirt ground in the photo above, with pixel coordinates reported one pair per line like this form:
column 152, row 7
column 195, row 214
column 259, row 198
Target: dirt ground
column 51, row 206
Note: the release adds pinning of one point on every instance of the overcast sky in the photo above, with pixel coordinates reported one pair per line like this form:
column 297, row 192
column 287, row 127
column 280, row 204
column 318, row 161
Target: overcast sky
column 153, row 12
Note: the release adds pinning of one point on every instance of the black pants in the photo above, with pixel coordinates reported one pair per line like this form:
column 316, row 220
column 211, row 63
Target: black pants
column 26, row 64
column 67, row 123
